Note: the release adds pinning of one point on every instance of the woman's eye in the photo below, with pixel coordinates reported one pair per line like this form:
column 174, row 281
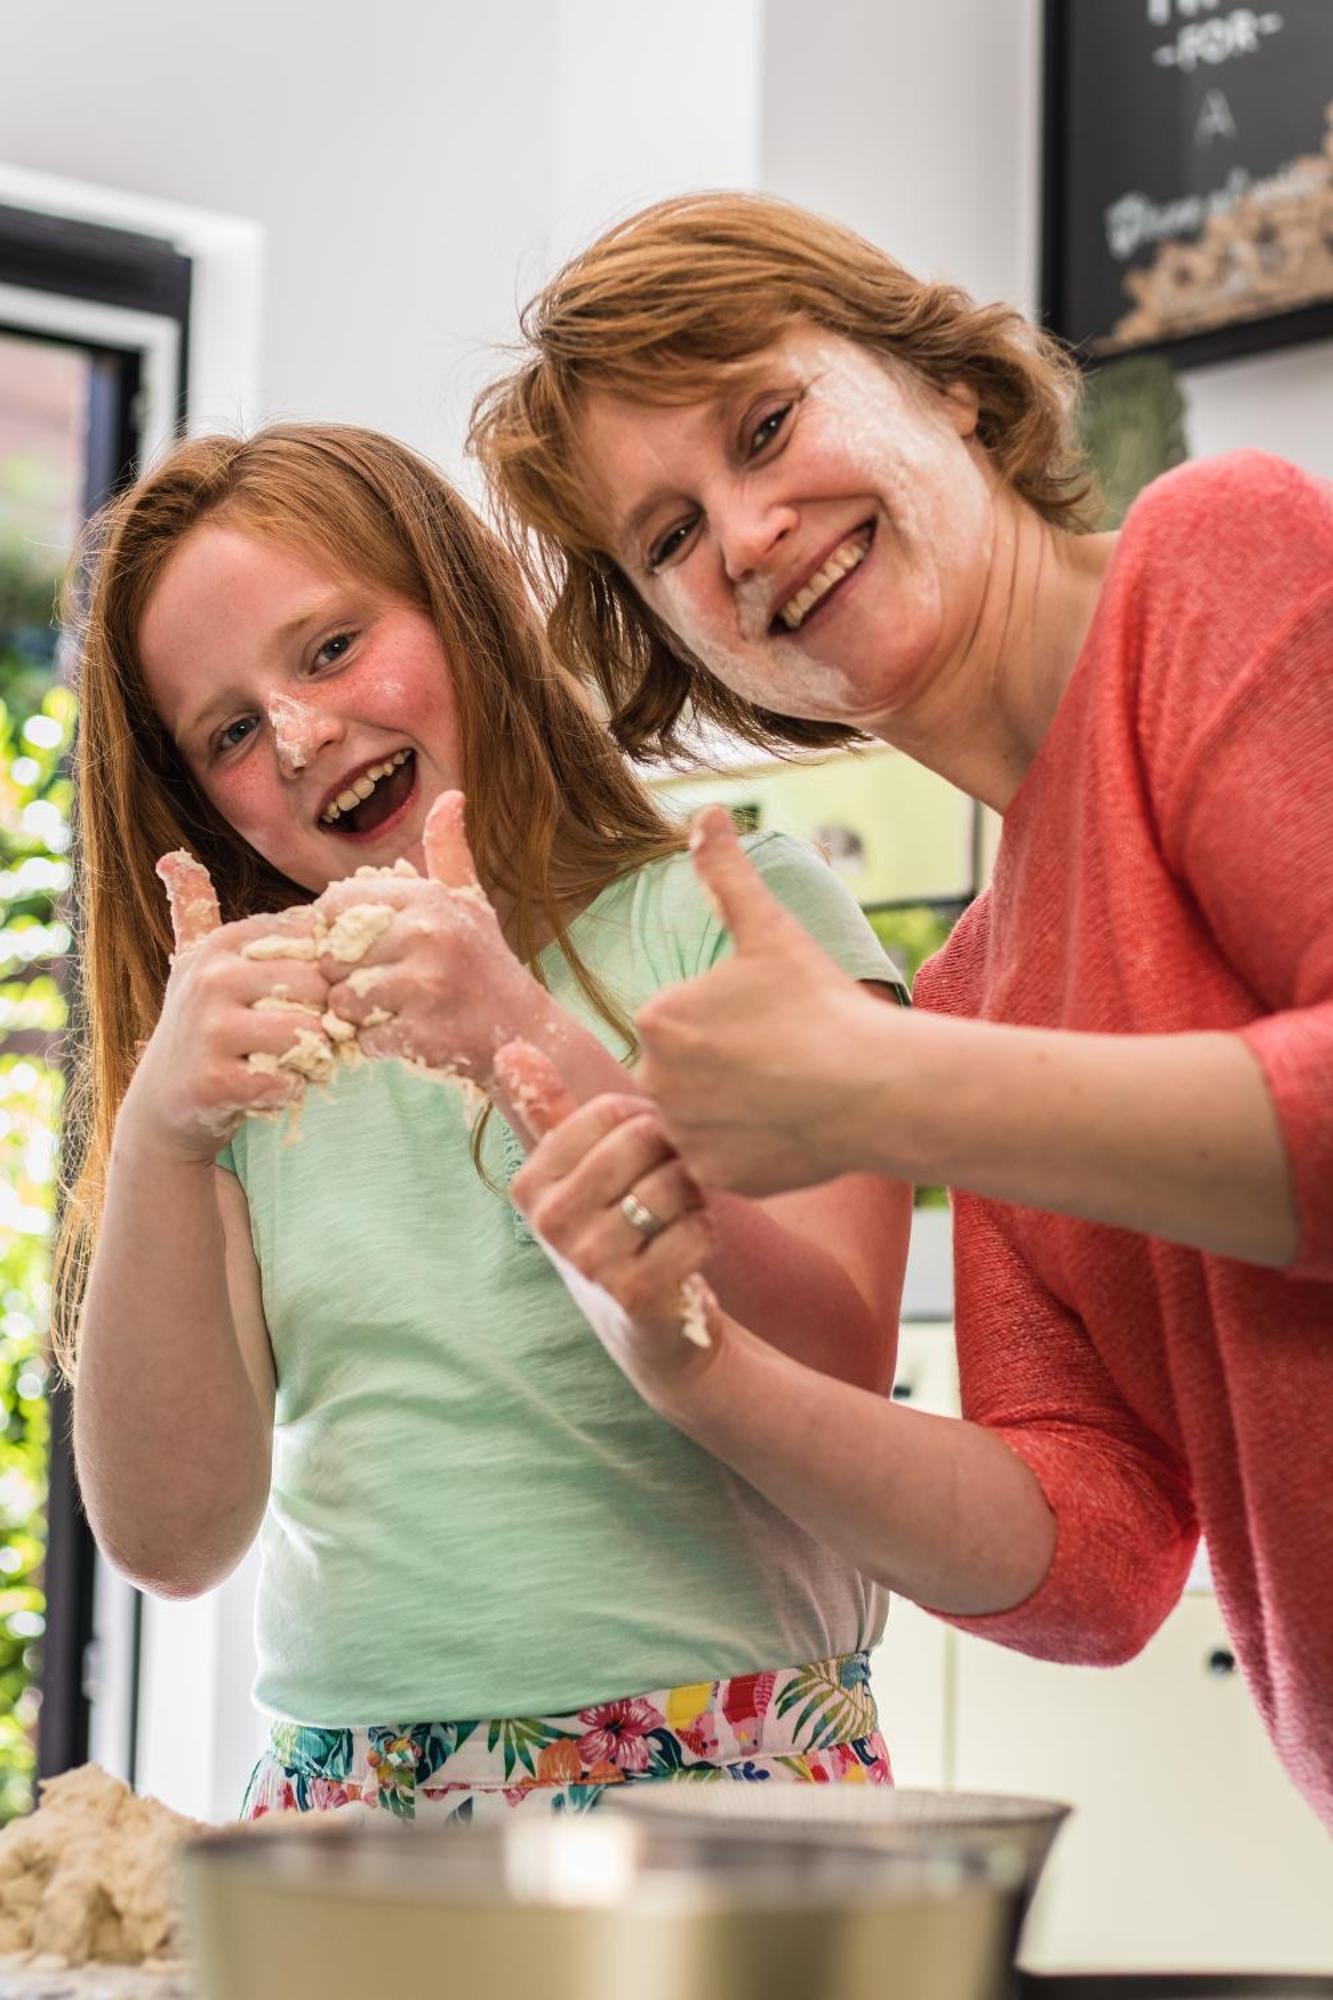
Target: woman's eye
column 768, row 429
column 333, row 649
column 670, row 544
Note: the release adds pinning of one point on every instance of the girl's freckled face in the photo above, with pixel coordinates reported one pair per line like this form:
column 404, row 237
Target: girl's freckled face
column 280, row 680
column 726, row 512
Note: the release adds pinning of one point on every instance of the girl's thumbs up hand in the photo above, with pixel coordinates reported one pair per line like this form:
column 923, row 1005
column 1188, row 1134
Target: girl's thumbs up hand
column 192, row 899
column 436, row 983
column 753, row 1065
column 237, row 1034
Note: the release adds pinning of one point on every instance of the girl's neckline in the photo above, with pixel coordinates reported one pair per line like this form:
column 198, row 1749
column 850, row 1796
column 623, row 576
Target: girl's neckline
column 617, row 882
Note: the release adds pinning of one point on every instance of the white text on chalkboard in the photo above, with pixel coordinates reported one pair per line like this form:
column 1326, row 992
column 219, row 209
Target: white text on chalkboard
column 1219, row 38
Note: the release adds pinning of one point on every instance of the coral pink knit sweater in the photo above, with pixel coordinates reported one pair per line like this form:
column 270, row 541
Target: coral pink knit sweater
column 1167, row 865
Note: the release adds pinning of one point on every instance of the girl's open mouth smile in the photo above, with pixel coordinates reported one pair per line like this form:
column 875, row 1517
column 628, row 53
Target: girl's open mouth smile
column 358, row 814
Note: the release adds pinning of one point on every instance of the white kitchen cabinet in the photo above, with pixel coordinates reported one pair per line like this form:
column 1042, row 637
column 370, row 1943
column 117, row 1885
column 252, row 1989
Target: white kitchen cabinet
column 912, row 1670
column 1188, row 1846
column 912, row 1674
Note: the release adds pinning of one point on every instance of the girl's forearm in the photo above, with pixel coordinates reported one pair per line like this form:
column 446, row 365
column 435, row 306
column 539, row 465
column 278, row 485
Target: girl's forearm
column 1170, row 1135
column 934, row 1508
column 172, row 1449
column 796, row 1288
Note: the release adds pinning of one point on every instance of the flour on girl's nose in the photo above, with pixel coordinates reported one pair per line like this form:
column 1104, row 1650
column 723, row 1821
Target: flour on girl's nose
column 294, row 731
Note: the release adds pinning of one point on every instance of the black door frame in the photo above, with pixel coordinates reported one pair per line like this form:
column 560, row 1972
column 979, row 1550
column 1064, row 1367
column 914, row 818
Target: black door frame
column 72, row 259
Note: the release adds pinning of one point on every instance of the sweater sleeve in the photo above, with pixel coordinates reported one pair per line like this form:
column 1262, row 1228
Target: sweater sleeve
column 1249, row 827
column 1124, row 1518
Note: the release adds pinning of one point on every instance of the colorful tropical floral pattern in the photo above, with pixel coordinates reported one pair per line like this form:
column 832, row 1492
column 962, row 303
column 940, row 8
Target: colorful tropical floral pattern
column 810, row 1725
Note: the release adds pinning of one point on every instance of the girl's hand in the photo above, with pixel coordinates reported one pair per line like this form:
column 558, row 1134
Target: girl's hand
column 436, row 982
column 195, row 1081
column 620, row 1219
column 760, row 1067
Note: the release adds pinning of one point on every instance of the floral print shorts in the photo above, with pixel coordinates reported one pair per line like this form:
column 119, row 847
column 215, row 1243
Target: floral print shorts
column 811, row 1725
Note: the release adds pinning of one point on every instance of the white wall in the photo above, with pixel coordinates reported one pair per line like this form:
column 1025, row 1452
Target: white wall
column 916, row 124
column 652, row 101
column 1282, row 402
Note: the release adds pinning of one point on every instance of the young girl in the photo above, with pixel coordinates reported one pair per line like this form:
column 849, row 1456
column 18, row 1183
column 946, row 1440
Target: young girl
column 772, row 475
column 489, row 1572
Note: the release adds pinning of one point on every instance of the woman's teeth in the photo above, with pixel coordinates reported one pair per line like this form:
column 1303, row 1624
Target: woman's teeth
column 841, row 563
column 362, row 787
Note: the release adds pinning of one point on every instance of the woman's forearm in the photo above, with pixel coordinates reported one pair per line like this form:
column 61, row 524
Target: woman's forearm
column 934, row 1508
column 773, row 1070
column 172, row 1448
column 789, row 1283
column 1171, row 1135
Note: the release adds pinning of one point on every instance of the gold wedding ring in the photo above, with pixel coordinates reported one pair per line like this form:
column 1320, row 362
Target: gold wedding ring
column 640, row 1217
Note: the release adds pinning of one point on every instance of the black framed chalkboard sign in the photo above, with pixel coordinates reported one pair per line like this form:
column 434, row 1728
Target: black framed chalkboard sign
column 1187, row 175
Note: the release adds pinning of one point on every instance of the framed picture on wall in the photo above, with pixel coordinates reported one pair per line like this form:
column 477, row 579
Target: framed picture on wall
column 1187, row 175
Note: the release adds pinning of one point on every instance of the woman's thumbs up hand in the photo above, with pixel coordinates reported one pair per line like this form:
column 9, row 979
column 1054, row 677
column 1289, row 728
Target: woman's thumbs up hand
column 753, row 1065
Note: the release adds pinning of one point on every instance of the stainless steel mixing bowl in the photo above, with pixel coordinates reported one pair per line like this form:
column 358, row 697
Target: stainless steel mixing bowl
column 594, row 1907
column 885, row 1817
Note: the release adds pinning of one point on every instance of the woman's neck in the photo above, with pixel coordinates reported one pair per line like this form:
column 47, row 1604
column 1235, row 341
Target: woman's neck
column 988, row 715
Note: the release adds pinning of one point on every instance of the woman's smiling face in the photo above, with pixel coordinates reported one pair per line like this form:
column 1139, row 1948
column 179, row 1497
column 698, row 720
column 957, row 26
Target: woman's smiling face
column 818, row 535
column 313, row 708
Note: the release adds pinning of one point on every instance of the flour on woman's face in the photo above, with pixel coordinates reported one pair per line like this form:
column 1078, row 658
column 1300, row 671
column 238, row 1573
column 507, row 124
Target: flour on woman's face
column 818, row 538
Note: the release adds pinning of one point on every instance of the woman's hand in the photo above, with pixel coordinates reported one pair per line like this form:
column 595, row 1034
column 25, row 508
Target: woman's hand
column 620, row 1219
column 436, row 982
column 760, row 1067
column 230, row 1024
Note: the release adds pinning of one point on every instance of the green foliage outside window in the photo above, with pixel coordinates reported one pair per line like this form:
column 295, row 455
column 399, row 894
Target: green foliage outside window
column 36, row 724
column 909, row 935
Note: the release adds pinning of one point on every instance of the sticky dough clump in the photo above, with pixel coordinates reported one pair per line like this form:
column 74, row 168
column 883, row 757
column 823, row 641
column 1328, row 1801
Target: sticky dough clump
column 695, row 1300
column 315, row 1054
column 90, row 1875
column 354, row 930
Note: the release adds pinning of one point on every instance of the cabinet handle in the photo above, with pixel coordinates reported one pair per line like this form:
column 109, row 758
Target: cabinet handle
column 1221, row 1661
column 902, row 1392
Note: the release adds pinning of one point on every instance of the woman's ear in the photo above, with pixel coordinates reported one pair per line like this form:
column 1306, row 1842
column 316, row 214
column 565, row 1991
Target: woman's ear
column 961, row 407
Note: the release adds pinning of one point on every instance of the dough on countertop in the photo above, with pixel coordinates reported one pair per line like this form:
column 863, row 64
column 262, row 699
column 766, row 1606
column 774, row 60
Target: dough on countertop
column 90, row 1874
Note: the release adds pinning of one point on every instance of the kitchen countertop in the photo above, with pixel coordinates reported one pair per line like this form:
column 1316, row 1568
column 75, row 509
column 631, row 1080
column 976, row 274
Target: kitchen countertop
column 1174, row 1986
column 94, row 1982
column 144, row 1982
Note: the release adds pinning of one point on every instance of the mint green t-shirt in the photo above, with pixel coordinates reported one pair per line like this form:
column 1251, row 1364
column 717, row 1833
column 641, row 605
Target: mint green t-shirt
column 472, row 1512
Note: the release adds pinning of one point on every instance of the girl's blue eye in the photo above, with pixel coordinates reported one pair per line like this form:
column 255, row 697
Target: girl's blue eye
column 226, row 739
column 334, row 648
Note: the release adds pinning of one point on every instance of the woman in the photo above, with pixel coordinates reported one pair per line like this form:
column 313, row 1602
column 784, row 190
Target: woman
column 490, row 1575
column 771, row 478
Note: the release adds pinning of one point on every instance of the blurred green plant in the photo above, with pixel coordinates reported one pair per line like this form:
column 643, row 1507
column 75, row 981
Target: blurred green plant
column 909, row 934
column 36, row 727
